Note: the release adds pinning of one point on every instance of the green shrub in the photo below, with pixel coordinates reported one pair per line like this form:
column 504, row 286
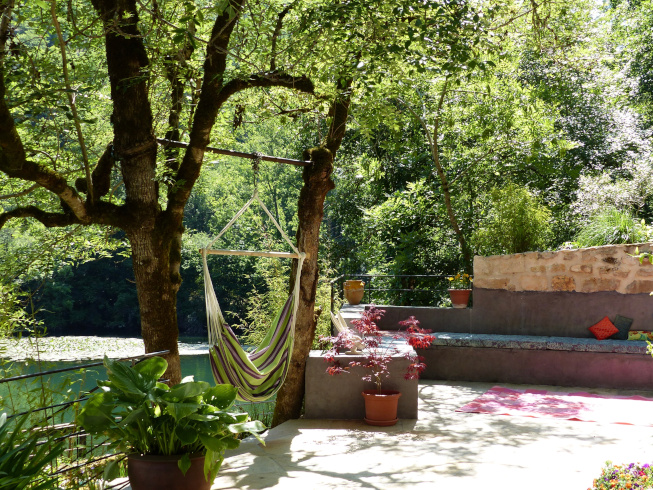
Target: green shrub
column 24, row 458
column 263, row 306
column 612, row 226
column 13, row 318
column 516, row 222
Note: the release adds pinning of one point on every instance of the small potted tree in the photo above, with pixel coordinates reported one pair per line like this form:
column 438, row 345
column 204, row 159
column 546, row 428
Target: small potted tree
column 176, row 436
column 380, row 405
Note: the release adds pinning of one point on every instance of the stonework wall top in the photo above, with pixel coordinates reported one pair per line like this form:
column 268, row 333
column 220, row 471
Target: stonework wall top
column 586, row 270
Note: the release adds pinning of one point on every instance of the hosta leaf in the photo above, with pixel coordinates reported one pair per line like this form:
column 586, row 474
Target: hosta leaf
column 217, row 445
column 221, row 396
column 251, row 426
column 124, row 378
column 152, row 368
column 231, row 442
column 184, row 463
column 187, row 435
column 186, row 390
column 96, row 414
column 181, row 410
column 111, row 471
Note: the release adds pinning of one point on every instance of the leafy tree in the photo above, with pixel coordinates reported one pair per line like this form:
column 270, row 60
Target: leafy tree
column 516, row 222
column 148, row 196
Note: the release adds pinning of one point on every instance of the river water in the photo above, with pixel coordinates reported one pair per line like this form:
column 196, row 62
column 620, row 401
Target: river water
column 27, row 356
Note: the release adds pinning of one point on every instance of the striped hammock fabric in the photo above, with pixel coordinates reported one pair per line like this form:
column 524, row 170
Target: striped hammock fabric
column 258, row 374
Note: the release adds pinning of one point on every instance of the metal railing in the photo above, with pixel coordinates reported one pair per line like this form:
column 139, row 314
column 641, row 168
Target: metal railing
column 396, row 289
column 81, row 464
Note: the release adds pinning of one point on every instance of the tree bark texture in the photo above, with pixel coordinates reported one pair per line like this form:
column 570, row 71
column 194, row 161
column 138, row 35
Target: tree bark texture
column 310, row 211
column 157, row 297
column 317, row 183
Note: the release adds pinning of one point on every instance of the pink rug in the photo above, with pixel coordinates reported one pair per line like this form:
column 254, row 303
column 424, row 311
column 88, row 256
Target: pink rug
column 633, row 410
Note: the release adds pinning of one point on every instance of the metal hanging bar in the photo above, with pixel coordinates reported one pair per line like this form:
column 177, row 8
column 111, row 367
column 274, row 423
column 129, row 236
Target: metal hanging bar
column 252, row 253
column 239, row 154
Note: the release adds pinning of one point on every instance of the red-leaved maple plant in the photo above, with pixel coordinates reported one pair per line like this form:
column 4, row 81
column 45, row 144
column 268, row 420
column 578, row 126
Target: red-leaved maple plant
column 376, row 350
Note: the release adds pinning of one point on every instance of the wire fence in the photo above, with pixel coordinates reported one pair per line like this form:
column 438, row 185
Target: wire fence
column 82, row 462
column 52, row 407
column 395, row 289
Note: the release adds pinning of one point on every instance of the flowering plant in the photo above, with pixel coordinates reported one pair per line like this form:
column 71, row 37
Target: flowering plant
column 623, row 477
column 460, row 281
column 376, row 353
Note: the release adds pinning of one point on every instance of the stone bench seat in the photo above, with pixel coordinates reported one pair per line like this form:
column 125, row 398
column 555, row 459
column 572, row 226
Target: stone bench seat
column 539, row 360
column 536, row 342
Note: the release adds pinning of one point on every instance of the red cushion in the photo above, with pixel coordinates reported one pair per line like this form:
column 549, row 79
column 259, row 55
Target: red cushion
column 604, row 329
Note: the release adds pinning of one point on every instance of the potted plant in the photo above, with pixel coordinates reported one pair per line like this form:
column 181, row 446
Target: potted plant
column 175, row 436
column 460, row 287
column 380, row 405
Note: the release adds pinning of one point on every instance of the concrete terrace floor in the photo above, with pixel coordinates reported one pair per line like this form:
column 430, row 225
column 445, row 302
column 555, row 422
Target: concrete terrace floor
column 444, row 449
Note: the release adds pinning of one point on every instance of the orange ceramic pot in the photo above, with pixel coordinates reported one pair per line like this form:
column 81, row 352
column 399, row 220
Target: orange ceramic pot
column 381, row 408
column 354, row 291
column 459, row 297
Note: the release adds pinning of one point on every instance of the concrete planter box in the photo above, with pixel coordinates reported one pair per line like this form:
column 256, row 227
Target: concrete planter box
column 339, row 397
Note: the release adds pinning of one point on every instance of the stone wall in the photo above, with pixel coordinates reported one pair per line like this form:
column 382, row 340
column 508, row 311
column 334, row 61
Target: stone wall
column 588, row 270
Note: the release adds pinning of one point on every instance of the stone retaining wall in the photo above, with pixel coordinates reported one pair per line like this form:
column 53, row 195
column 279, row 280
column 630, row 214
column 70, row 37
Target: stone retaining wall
column 588, row 270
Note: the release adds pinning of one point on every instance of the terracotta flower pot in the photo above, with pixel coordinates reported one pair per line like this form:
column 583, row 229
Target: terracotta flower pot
column 354, row 291
column 161, row 472
column 459, row 297
column 381, row 408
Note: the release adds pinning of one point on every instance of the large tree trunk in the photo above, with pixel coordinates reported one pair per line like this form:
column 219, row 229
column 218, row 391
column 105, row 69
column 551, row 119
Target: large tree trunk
column 157, row 299
column 317, row 183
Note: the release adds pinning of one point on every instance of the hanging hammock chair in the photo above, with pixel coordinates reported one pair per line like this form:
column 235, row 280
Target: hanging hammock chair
column 257, row 374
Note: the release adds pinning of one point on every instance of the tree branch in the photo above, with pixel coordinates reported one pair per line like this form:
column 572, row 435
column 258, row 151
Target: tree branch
column 101, row 176
column 13, row 161
column 208, row 106
column 134, row 142
column 12, row 153
column 444, row 182
column 24, row 192
column 71, row 99
column 50, row 180
column 48, row 219
column 6, row 7
column 269, row 79
column 339, row 112
column 173, row 67
column 275, row 36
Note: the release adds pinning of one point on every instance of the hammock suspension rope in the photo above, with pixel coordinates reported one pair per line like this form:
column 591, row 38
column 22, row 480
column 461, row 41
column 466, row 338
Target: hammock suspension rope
column 258, row 374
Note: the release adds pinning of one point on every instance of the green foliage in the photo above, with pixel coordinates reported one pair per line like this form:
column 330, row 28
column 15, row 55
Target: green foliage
column 25, row 455
column 516, row 222
column 634, row 34
column 138, row 413
column 263, row 306
column 13, row 317
column 612, row 226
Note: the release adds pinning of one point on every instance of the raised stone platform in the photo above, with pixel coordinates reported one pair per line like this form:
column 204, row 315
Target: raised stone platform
column 339, row 397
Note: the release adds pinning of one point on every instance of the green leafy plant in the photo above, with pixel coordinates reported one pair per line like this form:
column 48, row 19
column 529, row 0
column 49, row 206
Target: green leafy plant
column 24, row 457
column 140, row 414
column 612, row 226
column 516, row 222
